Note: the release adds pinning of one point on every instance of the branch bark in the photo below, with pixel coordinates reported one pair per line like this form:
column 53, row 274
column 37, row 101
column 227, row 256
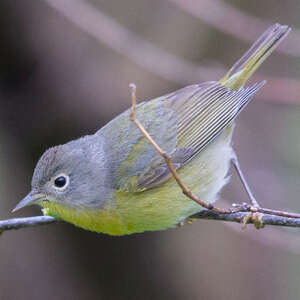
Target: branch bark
column 237, row 217
column 18, row 223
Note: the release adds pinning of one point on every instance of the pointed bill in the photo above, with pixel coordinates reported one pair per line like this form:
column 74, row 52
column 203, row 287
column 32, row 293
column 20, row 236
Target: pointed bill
column 30, row 199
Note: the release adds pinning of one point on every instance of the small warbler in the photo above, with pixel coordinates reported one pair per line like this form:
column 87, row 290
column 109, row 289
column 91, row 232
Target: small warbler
column 115, row 182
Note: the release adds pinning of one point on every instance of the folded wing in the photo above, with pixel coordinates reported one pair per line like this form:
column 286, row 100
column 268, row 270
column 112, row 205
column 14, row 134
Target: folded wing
column 202, row 112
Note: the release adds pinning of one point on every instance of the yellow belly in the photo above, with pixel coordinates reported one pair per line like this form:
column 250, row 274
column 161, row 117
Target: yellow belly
column 161, row 207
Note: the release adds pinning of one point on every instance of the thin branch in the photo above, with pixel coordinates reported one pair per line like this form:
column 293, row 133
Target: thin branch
column 156, row 60
column 237, row 217
column 240, row 216
column 18, row 223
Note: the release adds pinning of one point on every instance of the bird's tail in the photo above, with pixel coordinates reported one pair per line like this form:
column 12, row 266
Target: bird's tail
column 254, row 57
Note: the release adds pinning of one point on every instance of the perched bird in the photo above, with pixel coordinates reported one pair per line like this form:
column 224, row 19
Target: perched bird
column 115, row 182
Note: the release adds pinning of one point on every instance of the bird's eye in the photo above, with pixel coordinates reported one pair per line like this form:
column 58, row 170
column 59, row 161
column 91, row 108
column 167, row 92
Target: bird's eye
column 61, row 181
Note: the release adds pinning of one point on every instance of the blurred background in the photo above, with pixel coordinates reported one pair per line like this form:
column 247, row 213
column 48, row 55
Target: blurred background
column 65, row 67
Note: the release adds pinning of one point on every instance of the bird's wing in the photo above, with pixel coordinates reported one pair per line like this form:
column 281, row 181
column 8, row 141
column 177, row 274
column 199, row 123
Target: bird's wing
column 184, row 123
column 203, row 111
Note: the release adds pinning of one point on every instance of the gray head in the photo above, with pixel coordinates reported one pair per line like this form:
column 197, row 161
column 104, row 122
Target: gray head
column 72, row 174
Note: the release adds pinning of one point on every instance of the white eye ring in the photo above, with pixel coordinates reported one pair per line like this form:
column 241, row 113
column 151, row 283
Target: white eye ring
column 61, row 181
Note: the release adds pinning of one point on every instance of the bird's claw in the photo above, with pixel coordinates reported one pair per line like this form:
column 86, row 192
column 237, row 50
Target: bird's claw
column 255, row 218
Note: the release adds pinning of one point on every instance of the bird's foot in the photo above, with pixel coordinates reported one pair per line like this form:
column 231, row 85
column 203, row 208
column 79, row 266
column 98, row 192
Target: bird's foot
column 255, row 218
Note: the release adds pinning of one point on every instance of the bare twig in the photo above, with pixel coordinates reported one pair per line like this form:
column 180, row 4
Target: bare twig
column 18, row 223
column 238, row 217
column 156, row 60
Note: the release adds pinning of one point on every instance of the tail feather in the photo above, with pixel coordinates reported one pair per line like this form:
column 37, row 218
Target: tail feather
column 255, row 56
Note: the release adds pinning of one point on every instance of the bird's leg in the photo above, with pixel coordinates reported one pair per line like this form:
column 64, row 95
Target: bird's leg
column 236, row 164
column 186, row 191
column 256, row 217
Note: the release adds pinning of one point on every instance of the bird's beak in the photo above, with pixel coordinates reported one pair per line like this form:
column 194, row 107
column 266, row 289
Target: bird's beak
column 30, row 199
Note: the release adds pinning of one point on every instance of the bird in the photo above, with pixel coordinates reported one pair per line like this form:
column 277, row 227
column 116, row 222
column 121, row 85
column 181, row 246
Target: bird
column 115, row 182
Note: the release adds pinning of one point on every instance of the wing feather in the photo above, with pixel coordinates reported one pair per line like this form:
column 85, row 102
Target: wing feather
column 197, row 114
column 215, row 108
